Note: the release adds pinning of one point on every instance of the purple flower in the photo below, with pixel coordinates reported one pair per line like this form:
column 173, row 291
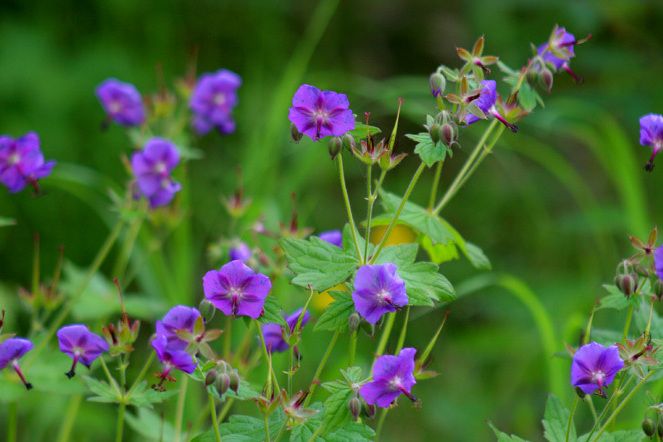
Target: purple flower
column 122, row 102
column 594, row 367
column 11, row 351
column 658, row 262
column 318, row 114
column 392, row 376
column 178, row 319
column 559, row 50
column 21, row 162
column 80, row 344
column 334, row 237
column 152, row 168
column 274, row 333
column 651, row 134
column 213, row 100
column 237, row 290
column 240, row 251
column 172, row 357
column 485, row 101
column 378, row 290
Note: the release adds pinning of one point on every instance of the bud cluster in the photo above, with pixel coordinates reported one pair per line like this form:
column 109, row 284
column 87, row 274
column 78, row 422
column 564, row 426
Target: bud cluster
column 224, row 377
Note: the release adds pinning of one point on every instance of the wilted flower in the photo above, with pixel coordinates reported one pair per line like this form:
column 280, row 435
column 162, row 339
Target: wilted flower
column 318, row 114
column 333, row 237
column 21, row 162
column 378, row 290
column 237, row 290
column 122, row 102
column 172, row 357
column 240, row 251
column 392, row 376
column 11, row 351
column 594, row 367
column 651, row 134
column 274, row 333
column 213, row 101
column 179, row 320
column 152, row 168
column 80, row 344
column 485, row 101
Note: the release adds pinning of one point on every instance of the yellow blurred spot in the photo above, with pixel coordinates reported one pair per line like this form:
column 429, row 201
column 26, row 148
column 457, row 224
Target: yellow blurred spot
column 322, row 300
column 400, row 234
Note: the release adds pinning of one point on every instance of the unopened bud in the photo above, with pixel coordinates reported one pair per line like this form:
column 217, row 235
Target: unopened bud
column 354, row 405
column 648, row 427
column 223, row 366
column 448, row 134
column 335, row 146
column 434, row 132
column 222, row 383
column 581, row 394
column 625, row 267
column 295, row 134
column 437, row 83
column 210, row 378
column 369, row 411
column 206, row 309
column 348, row 141
column 353, row 322
column 234, row 381
column 657, row 288
column 547, row 79
column 627, row 284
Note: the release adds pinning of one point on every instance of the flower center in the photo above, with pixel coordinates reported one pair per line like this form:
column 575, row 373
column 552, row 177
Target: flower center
column 160, row 167
column 114, row 107
column 219, row 99
column 320, row 115
column 14, row 159
column 396, row 383
column 383, row 296
column 598, row 377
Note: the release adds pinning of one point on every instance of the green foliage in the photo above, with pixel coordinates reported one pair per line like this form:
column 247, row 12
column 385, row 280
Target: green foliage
column 429, row 151
column 363, row 130
column 555, row 421
column 503, row 437
column 241, row 428
column 335, row 317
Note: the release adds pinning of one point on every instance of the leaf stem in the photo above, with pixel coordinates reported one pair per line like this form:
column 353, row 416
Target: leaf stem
column 142, row 373
column 436, row 184
column 627, row 324
column 212, row 410
column 571, row 415
column 401, row 337
column 12, row 422
column 321, row 366
column 348, row 208
column 389, row 324
column 119, row 430
column 224, row 411
column 179, row 413
column 69, row 418
column 370, row 200
column 268, row 358
column 353, row 348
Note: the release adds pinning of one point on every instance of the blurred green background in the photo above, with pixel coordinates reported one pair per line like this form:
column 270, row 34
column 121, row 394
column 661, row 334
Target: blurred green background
column 553, row 206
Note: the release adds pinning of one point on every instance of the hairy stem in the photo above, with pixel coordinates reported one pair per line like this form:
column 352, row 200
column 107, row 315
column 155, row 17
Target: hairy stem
column 212, row 411
column 179, row 413
column 370, row 200
column 69, row 418
column 348, row 208
column 436, row 184
column 571, row 415
column 321, row 366
column 386, row 332
column 403, row 334
column 119, row 429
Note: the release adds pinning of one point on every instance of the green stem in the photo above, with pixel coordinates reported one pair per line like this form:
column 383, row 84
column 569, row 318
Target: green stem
column 69, row 418
column 348, row 208
column 353, row 348
column 244, row 344
column 436, row 184
column 225, row 410
column 212, row 411
column 394, row 220
column 321, row 366
column 227, row 338
column 266, row 420
column 268, row 358
column 98, row 260
column 571, row 415
column 179, row 414
column 401, row 337
column 609, row 404
column 651, row 315
column 128, row 244
column 12, row 422
column 456, row 183
column 627, row 325
column 378, row 428
column 119, row 432
column 622, row 405
column 369, row 216
column 590, row 404
column 111, row 379
column 484, row 153
column 142, row 373
column 389, row 324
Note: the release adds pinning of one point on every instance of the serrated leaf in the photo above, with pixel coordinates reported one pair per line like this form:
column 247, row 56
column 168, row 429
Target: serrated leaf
column 527, row 97
column 304, row 431
column 349, row 245
column 336, row 409
column 503, row 437
column 352, row 432
column 335, row 317
column 363, row 130
column 400, row 255
column 150, row 425
column 144, row 396
column 477, row 257
column 429, row 151
column 272, row 311
column 614, row 300
column 317, row 263
column 555, row 421
column 425, row 285
column 246, row 428
column 439, row 253
column 618, row 436
column 102, row 390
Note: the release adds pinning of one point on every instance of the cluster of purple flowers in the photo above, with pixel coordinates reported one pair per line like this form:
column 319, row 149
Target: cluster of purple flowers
column 152, row 166
column 213, row 101
column 21, row 162
column 81, row 345
column 174, row 333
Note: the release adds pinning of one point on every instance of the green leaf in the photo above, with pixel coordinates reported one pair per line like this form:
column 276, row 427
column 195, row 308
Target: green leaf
column 335, row 317
column 425, row 285
column 503, row 437
column 272, row 311
column 144, row 396
column 429, row 151
column 614, row 300
column 401, row 255
column 349, row 245
column 102, row 390
column 555, row 421
column 150, row 425
column 317, row 263
column 618, row 436
column 304, row 431
column 362, row 131
column 476, row 256
column 245, row 392
column 439, row 253
column 352, row 432
column 336, row 409
column 246, row 428
column 527, row 97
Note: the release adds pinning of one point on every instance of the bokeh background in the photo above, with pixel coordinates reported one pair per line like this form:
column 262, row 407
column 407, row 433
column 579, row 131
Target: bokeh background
column 553, row 206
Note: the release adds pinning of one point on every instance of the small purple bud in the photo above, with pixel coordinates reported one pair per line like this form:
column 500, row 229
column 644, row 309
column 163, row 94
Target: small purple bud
column 222, row 383
column 437, row 84
column 353, row 322
column 348, row 141
column 234, row 381
column 369, row 410
column 449, row 133
column 240, row 251
column 210, row 378
column 354, row 405
column 627, row 284
column 547, row 79
column 295, row 134
column 335, row 146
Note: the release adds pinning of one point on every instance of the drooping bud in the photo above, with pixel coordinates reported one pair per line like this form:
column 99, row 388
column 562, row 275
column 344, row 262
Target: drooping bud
column 369, row 411
column 434, row 132
column 206, row 309
column 437, row 84
column 234, row 381
column 353, row 322
column 222, row 383
column 348, row 141
column 648, row 427
column 295, row 134
column 627, row 284
column 210, row 378
column 354, row 405
column 449, row 133
column 547, row 79
column 335, row 146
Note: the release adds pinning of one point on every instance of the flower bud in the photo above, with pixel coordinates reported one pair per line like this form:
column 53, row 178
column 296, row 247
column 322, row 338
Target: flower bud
column 648, row 427
column 222, row 383
column 580, row 393
column 223, row 366
column 657, row 289
column 295, row 134
column 335, row 146
column 369, row 411
column 547, row 79
column 206, row 309
column 434, row 132
column 437, row 83
column 348, row 141
column 210, row 378
column 234, row 381
column 354, row 405
column 448, row 133
column 353, row 322
column 625, row 267
column 627, row 284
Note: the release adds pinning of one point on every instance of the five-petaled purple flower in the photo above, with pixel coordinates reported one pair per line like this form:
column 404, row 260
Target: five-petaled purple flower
column 318, row 114
column 594, row 367
column 651, row 134
column 274, row 333
column 152, row 167
column 11, row 351
column 213, row 101
column 240, row 251
column 172, row 357
column 122, row 102
column 378, row 290
column 21, row 162
column 334, row 237
column 559, row 50
column 80, row 344
column 237, row 290
column 392, row 376
column 179, row 319
column 485, row 100
column 658, row 262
